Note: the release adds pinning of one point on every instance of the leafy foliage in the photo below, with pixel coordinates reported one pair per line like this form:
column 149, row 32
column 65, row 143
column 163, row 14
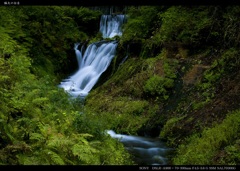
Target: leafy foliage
column 226, row 64
column 37, row 118
column 167, row 129
column 183, row 24
column 139, row 24
column 157, row 85
column 51, row 32
column 202, row 147
column 40, row 125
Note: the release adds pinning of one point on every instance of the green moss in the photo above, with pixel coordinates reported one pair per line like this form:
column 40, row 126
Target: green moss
column 231, row 155
column 219, row 69
column 121, row 113
column 158, row 86
column 131, row 66
column 201, row 148
column 166, row 132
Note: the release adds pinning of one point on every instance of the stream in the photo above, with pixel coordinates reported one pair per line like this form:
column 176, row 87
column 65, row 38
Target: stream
column 145, row 151
column 92, row 62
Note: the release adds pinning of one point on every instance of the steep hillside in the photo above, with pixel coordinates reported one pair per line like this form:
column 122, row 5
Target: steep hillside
column 180, row 82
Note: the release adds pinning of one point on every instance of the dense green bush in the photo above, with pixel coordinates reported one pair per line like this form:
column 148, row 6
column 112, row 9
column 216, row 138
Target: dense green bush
column 157, row 85
column 161, row 85
column 183, row 24
column 139, row 24
column 51, row 34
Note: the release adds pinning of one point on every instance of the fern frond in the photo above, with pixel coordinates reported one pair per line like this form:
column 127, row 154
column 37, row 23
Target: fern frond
column 28, row 160
column 59, row 141
column 36, row 136
column 54, row 157
column 8, row 131
column 40, row 100
column 86, row 153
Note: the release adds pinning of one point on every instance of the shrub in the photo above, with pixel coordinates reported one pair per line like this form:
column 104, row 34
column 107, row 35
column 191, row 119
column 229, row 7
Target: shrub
column 158, row 86
column 182, row 24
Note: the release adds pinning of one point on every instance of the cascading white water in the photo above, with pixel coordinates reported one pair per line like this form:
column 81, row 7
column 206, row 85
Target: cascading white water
column 96, row 58
column 110, row 25
column 91, row 64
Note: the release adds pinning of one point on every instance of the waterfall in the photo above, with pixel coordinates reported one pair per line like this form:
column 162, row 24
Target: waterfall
column 92, row 62
column 95, row 59
column 78, row 54
column 110, row 25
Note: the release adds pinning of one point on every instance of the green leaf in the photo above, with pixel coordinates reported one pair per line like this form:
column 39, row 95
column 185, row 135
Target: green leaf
column 36, row 136
column 54, row 157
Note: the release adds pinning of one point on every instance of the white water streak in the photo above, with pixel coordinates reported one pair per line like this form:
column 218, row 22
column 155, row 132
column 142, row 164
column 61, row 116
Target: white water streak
column 96, row 58
column 110, row 25
column 146, row 150
column 93, row 63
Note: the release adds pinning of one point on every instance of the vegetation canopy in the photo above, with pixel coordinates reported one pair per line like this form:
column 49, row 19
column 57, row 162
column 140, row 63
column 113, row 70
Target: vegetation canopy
column 175, row 76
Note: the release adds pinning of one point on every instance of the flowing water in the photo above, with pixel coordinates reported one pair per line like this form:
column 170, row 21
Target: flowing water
column 91, row 64
column 110, row 25
column 145, row 151
column 95, row 60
